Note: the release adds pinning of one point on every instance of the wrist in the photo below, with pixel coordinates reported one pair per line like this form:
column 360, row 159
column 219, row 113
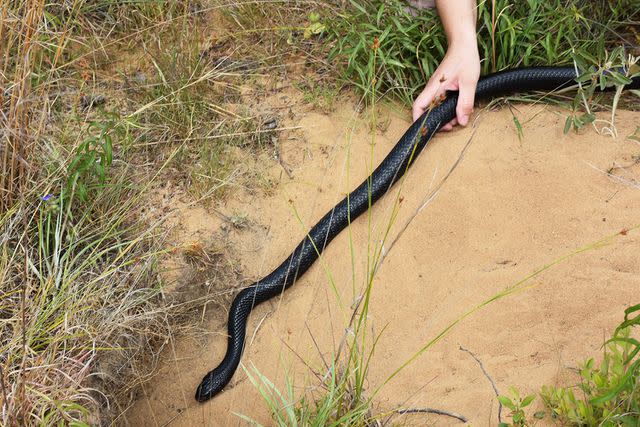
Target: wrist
column 463, row 40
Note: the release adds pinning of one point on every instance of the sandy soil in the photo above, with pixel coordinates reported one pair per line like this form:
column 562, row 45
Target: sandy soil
column 510, row 207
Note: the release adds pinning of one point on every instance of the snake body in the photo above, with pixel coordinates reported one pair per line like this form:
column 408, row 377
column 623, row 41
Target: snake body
column 359, row 200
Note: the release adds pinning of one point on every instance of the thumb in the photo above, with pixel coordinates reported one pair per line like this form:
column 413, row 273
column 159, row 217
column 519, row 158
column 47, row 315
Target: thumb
column 466, row 98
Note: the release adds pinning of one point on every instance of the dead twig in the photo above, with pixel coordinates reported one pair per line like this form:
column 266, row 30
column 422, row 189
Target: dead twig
column 486, row 374
column 432, row 411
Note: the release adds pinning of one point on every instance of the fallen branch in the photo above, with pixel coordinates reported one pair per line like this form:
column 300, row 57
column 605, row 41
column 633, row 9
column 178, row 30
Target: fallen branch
column 432, row 411
column 486, row 374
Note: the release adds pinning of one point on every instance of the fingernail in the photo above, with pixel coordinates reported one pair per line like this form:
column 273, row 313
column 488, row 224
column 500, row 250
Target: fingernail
column 463, row 120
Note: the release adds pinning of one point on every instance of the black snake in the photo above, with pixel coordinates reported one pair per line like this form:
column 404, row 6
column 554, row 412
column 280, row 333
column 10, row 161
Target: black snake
column 359, row 200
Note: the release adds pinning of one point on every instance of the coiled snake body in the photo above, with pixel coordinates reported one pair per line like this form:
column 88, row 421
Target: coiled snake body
column 357, row 202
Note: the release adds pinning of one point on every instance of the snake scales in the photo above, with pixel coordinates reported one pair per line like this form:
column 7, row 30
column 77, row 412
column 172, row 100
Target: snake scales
column 358, row 201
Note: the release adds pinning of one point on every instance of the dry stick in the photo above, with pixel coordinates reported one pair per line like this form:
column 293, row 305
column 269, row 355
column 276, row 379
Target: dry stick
column 486, row 374
column 426, row 410
column 629, row 183
column 278, row 155
column 432, row 411
column 315, row 343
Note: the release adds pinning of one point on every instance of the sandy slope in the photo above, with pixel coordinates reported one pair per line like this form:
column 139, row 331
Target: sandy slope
column 510, row 207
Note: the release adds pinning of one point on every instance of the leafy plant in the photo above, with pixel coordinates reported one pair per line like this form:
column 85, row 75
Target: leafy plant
column 609, row 392
column 510, row 34
column 91, row 160
column 517, row 406
column 615, row 71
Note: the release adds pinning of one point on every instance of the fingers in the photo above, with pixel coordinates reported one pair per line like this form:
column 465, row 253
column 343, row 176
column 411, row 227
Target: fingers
column 426, row 97
column 466, row 98
column 449, row 126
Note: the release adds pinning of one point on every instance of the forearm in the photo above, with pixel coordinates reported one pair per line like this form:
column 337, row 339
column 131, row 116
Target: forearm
column 459, row 21
column 460, row 67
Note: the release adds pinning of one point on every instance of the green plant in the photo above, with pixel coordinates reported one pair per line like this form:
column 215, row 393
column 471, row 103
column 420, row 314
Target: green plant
column 321, row 95
column 517, row 406
column 510, row 34
column 609, row 392
column 332, row 406
column 87, row 171
column 615, row 71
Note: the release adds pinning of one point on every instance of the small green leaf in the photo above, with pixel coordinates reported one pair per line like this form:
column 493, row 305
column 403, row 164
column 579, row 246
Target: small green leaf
column 620, row 79
column 507, row 402
column 567, row 124
column 518, row 128
column 635, row 136
column 539, row 415
column 587, row 118
column 527, row 400
column 108, row 150
column 82, row 192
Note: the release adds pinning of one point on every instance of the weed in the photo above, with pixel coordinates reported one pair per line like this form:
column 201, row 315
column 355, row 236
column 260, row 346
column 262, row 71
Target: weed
column 86, row 281
column 609, row 390
column 517, row 406
column 321, row 96
column 615, row 71
column 88, row 168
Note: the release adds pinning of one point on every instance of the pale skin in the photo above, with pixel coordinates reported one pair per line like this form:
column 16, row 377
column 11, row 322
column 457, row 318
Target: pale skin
column 460, row 68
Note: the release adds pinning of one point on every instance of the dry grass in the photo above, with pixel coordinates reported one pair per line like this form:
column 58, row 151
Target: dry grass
column 82, row 303
column 19, row 33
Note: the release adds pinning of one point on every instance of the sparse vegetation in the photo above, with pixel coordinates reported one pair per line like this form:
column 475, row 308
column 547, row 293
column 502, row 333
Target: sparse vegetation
column 607, row 393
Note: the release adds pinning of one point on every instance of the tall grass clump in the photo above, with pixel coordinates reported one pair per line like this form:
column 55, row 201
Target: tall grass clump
column 75, row 284
column 19, row 48
column 510, row 34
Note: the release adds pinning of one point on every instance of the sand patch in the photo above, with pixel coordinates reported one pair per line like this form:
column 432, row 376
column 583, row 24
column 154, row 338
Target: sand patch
column 510, row 207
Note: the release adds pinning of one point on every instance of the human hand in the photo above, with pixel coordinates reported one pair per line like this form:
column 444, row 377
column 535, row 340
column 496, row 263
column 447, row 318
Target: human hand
column 459, row 70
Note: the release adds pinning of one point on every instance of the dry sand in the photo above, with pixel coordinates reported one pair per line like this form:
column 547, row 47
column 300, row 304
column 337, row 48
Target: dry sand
column 510, row 207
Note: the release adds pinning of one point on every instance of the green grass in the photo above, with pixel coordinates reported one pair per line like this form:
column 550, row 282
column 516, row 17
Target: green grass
column 78, row 281
column 510, row 34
